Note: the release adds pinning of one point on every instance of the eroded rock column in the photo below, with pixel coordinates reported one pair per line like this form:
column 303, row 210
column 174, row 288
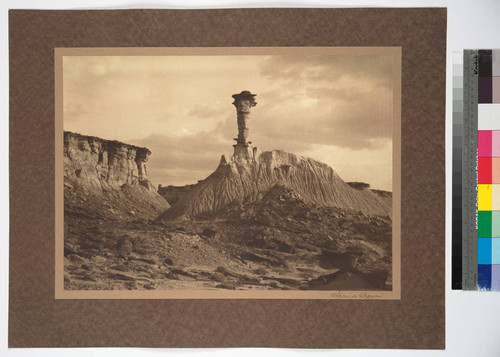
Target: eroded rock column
column 243, row 103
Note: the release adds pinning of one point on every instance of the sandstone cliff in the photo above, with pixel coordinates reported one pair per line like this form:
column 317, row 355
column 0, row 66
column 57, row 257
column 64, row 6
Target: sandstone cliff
column 109, row 179
column 248, row 175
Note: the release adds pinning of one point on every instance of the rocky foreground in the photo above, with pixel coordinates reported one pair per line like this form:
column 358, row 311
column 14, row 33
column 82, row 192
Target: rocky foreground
column 279, row 243
column 260, row 221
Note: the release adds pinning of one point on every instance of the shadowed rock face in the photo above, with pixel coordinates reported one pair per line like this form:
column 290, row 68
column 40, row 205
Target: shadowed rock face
column 108, row 178
column 174, row 193
column 246, row 177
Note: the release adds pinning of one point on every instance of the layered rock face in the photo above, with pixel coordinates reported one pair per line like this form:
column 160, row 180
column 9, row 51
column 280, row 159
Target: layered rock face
column 108, row 178
column 248, row 175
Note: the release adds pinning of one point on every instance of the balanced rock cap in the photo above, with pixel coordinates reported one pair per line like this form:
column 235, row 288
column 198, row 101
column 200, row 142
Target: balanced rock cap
column 245, row 95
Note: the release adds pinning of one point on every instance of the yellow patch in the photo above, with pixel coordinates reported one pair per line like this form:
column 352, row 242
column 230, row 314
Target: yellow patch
column 484, row 200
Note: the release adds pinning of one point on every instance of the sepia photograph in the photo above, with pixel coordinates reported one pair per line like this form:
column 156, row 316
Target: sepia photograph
column 228, row 172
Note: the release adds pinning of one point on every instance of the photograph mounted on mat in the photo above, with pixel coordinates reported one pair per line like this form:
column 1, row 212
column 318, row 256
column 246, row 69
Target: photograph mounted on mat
column 227, row 178
column 153, row 200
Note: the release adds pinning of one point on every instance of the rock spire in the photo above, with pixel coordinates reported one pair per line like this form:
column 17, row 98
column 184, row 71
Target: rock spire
column 243, row 103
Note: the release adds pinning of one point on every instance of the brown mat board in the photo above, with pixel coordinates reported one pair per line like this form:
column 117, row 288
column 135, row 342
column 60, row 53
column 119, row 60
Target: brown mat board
column 37, row 319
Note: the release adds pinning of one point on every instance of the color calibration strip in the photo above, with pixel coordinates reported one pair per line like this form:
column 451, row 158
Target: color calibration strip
column 476, row 171
column 488, row 170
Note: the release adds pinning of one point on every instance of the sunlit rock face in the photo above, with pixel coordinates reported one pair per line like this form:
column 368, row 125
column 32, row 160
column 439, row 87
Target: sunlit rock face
column 109, row 177
column 246, row 177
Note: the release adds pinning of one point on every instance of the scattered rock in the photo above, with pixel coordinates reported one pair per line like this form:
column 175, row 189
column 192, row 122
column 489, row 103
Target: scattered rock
column 273, row 284
column 69, row 249
column 182, row 272
column 226, row 286
column 150, row 285
column 260, row 271
column 148, row 261
column 124, row 247
column 87, row 276
column 210, row 233
column 120, row 267
column 122, row 276
column 260, row 258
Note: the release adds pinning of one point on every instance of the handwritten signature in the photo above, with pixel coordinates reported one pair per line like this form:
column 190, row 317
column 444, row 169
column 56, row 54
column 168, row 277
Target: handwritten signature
column 360, row 295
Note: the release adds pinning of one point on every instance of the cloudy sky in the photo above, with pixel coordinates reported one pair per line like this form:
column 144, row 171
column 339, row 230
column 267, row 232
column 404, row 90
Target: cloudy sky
column 337, row 109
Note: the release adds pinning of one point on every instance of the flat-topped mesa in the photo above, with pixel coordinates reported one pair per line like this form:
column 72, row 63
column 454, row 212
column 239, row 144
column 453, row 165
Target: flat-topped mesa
column 243, row 103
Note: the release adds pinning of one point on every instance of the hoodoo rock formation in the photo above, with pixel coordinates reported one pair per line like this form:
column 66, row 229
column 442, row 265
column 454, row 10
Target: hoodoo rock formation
column 248, row 174
column 108, row 178
column 243, row 103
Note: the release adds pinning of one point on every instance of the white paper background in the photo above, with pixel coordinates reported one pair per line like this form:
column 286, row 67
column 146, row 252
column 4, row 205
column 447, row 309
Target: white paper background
column 472, row 318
